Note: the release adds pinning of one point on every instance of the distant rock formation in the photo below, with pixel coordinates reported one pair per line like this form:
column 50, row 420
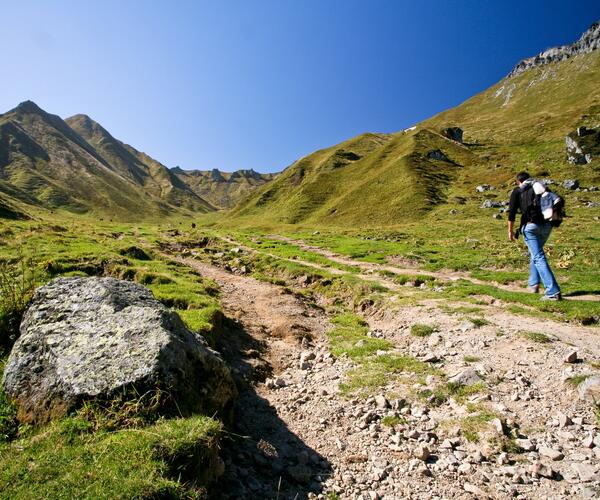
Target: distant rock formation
column 589, row 41
column 583, row 145
column 453, row 133
column 85, row 338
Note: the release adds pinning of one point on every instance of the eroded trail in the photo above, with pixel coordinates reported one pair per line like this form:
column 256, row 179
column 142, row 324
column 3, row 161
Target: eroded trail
column 300, row 436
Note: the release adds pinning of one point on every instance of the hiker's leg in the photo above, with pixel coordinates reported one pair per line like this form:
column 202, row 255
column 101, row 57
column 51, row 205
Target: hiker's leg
column 545, row 231
column 532, row 246
column 534, row 238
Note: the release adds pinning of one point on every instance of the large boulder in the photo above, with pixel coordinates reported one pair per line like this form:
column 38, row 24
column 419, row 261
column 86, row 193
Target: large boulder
column 88, row 338
column 453, row 133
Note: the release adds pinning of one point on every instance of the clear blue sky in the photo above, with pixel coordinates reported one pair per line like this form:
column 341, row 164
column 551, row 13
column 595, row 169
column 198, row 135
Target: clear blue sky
column 258, row 84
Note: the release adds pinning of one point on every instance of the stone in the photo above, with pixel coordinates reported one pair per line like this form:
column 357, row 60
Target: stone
column 586, row 472
column 436, row 154
column 571, row 357
column 497, row 216
column 564, row 420
column 453, row 133
column 551, row 453
column 484, row 187
column 465, row 377
column 381, row 402
column 525, row 444
column 475, row 490
column 571, row 184
column 492, row 204
column 85, row 338
column 589, row 389
column 421, row 452
column 542, row 470
column 588, row 441
column 498, row 426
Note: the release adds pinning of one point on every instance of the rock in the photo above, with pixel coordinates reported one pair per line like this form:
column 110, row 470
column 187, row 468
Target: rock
column 475, row 490
column 421, row 452
column 465, row 377
column 589, row 389
column 502, row 458
column 484, row 187
column 525, row 444
column 135, row 253
column 588, row 441
column 381, row 402
column 563, row 420
column 497, row 216
column 541, row 470
column 492, row 204
column 436, row 154
column 85, row 338
column 571, row 357
column 498, row 425
column 586, row 472
column 453, row 133
column 571, row 184
column 551, row 453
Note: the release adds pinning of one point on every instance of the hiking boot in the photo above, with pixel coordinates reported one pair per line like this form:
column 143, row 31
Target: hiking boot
column 534, row 289
column 556, row 296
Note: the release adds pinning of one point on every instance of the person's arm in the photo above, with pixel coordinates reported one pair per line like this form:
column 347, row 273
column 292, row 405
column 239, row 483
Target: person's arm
column 513, row 207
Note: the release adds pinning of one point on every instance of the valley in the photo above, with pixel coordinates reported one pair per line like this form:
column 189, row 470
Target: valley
column 372, row 322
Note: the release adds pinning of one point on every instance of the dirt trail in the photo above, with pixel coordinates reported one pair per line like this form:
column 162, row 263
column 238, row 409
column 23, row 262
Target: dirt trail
column 302, row 438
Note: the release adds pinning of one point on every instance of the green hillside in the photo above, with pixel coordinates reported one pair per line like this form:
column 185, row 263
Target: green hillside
column 78, row 166
column 377, row 179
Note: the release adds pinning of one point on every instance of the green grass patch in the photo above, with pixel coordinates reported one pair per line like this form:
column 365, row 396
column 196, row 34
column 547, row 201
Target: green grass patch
column 471, row 359
column 349, row 337
column 537, row 337
column 393, row 420
column 444, row 392
column 478, row 322
column 420, row 330
column 169, row 459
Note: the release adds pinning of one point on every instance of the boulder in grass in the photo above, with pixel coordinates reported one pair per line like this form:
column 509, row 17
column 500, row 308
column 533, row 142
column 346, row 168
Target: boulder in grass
column 92, row 338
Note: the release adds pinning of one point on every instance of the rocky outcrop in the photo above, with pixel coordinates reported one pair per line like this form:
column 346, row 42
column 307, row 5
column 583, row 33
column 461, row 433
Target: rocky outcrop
column 453, row 133
column 86, row 338
column 582, row 145
column 589, row 41
column 436, row 154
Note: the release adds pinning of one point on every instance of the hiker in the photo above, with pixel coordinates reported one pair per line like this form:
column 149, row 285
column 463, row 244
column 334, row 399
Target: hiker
column 536, row 230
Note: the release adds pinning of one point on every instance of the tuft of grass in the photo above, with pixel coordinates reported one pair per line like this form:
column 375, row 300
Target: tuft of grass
column 444, row 392
column 472, row 425
column 479, row 322
column 349, row 337
column 393, row 420
column 577, row 379
column 9, row 425
column 538, row 337
column 471, row 359
column 420, row 330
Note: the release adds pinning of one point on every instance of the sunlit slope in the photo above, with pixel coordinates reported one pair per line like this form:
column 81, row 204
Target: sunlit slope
column 373, row 178
column 519, row 123
column 541, row 104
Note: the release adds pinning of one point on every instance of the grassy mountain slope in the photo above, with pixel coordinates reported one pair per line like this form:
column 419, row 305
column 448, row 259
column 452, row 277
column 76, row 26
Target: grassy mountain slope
column 222, row 189
column 521, row 122
column 45, row 162
column 139, row 168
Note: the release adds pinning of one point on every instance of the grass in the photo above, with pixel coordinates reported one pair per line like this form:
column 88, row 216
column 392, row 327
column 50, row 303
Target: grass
column 577, row 379
column 537, row 337
column 472, row 425
column 458, row 392
column 420, row 330
column 478, row 322
column 349, row 337
column 393, row 420
column 471, row 359
column 67, row 460
column 8, row 413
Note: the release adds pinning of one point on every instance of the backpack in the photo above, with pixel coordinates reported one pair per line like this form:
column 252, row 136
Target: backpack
column 539, row 208
column 555, row 211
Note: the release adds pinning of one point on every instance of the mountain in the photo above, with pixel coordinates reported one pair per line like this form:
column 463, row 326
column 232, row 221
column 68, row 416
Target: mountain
column 77, row 165
column 222, row 189
column 519, row 123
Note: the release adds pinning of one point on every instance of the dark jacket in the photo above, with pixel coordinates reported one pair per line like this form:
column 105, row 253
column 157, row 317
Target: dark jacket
column 521, row 200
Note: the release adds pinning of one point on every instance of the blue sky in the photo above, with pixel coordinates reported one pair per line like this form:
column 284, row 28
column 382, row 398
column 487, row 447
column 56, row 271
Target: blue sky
column 258, row 84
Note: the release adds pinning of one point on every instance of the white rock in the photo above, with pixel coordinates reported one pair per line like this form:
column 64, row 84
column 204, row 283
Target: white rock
column 551, row 453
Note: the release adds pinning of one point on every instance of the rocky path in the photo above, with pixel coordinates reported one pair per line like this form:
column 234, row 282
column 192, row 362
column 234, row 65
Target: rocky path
column 297, row 436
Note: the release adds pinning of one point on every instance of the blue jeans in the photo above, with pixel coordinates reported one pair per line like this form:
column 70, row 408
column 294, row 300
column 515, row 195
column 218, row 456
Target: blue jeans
column 536, row 236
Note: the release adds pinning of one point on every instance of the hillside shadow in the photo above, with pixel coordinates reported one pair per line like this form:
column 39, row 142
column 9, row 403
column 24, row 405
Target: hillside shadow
column 263, row 458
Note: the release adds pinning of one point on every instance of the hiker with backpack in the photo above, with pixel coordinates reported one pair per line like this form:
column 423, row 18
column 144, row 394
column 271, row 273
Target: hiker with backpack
column 541, row 210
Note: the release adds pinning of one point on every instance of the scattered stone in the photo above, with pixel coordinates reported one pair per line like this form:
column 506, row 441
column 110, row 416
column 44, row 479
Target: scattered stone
column 498, row 425
column 453, row 133
column 542, row 470
column 551, row 453
column 466, row 377
column 475, row 490
column 589, row 389
column 421, row 452
column 563, row 420
column 525, row 444
column 571, row 357
column 381, row 402
column 571, row 184
column 586, row 472
column 484, row 187
column 492, row 204
column 436, row 154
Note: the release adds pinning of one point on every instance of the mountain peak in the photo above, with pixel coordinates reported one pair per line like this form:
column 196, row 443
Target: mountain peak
column 589, row 41
column 28, row 107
